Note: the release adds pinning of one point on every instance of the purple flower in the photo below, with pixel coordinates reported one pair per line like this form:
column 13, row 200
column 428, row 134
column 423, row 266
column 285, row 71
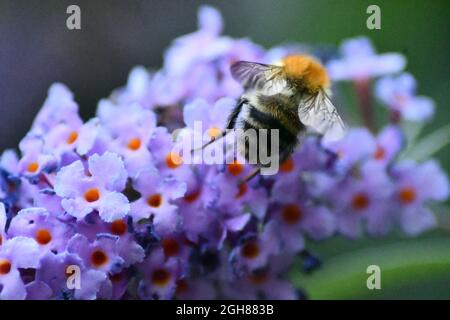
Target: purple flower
column 356, row 146
column 254, row 252
column 95, row 188
column 15, row 253
column 234, row 195
column 294, row 216
column 49, row 232
column 137, row 89
column 159, row 276
column 389, row 143
column 59, row 107
column 157, row 200
column 415, row 185
column 169, row 162
column 54, row 270
column 197, row 64
column 34, row 161
column 264, row 283
column 360, row 62
column 3, row 219
column 211, row 117
column 198, row 203
column 111, row 209
column 128, row 249
column 399, row 94
column 9, row 161
column 131, row 128
column 195, row 289
column 64, row 138
column 362, row 199
column 310, row 156
column 100, row 254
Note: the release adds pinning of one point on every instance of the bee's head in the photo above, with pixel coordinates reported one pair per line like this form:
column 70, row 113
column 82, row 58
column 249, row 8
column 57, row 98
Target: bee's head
column 306, row 72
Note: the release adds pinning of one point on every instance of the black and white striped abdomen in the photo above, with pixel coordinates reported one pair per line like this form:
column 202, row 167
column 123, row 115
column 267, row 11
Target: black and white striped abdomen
column 266, row 112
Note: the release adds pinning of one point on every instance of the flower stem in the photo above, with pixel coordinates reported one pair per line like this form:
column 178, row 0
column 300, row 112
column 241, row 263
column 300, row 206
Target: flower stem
column 365, row 103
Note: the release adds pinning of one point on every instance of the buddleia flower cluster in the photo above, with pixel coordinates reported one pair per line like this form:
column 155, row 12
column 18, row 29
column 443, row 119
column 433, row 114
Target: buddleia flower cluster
column 101, row 210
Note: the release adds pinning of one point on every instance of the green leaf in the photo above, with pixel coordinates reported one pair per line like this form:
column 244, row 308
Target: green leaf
column 412, row 130
column 402, row 264
column 429, row 145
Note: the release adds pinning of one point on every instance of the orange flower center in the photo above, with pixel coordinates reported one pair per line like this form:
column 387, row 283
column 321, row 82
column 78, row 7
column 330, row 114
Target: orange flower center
column 92, row 195
column 99, row 258
column 235, row 168
column 258, row 278
column 173, row 160
column 407, row 195
column 182, row 286
column 134, row 144
column 250, row 250
column 116, row 277
column 73, row 136
column 43, row 236
column 33, row 167
column 380, row 153
column 1, row 239
column 243, row 188
column 5, row 266
column 118, row 227
column 192, row 196
column 360, row 201
column 214, row 132
column 287, row 165
column 155, row 200
column 400, row 99
column 291, row 214
column 171, row 247
column 160, row 277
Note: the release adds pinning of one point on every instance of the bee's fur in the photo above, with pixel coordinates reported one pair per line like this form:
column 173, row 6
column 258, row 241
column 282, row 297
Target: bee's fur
column 256, row 110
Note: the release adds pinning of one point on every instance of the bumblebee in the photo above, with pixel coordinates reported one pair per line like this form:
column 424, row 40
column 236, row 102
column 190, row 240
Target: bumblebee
column 291, row 98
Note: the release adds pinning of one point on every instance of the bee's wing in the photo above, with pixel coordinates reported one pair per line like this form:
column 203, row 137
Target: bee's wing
column 260, row 76
column 319, row 113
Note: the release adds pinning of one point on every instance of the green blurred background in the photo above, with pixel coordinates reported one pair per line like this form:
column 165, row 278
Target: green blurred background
column 36, row 49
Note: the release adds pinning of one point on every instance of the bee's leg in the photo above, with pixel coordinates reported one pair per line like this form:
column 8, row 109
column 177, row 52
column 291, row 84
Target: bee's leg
column 221, row 135
column 230, row 124
column 253, row 174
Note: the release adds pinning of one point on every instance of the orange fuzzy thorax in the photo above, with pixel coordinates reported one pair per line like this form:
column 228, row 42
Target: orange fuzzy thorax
column 306, row 72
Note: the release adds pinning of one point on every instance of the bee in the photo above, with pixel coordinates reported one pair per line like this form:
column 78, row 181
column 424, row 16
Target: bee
column 291, row 98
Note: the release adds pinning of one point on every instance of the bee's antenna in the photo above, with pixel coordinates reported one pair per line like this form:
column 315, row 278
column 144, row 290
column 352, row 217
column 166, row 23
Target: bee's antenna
column 214, row 139
column 253, row 174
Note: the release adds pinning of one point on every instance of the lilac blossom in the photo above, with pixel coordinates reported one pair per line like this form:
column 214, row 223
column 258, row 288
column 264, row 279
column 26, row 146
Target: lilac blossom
column 415, row 185
column 15, row 253
column 294, row 217
column 159, row 276
column 360, row 62
column 197, row 64
column 94, row 188
column 48, row 232
column 52, row 274
column 398, row 93
column 157, row 200
column 111, row 197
